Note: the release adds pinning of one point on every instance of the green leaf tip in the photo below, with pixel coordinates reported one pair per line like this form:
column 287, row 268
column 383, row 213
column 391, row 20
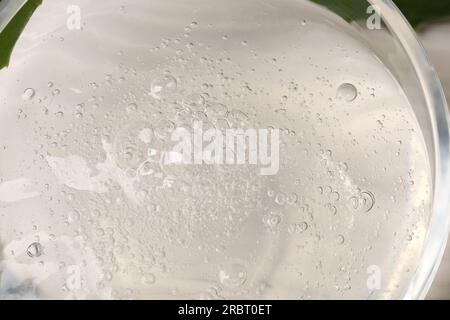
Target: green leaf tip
column 11, row 33
column 416, row 11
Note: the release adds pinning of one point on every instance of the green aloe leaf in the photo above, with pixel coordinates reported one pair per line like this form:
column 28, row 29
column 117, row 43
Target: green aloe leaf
column 416, row 11
column 419, row 11
column 9, row 36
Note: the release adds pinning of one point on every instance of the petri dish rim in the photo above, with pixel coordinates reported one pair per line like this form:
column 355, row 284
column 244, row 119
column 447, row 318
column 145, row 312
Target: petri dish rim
column 436, row 103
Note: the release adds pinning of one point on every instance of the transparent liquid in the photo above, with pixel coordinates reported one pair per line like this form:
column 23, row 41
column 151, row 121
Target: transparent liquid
column 83, row 214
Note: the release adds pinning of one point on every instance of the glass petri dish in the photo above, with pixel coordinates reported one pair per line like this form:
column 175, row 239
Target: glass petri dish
column 358, row 207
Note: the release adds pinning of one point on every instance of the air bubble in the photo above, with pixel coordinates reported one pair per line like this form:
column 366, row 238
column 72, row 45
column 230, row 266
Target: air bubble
column 332, row 209
column 280, row 199
column 34, row 250
column 367, row 201
column 347, row 92
column 272, row 220
column 298, row 228
column 132, row 107
column 28, row 94
column 292, row 198
column 335, row 196
column 364, row 202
